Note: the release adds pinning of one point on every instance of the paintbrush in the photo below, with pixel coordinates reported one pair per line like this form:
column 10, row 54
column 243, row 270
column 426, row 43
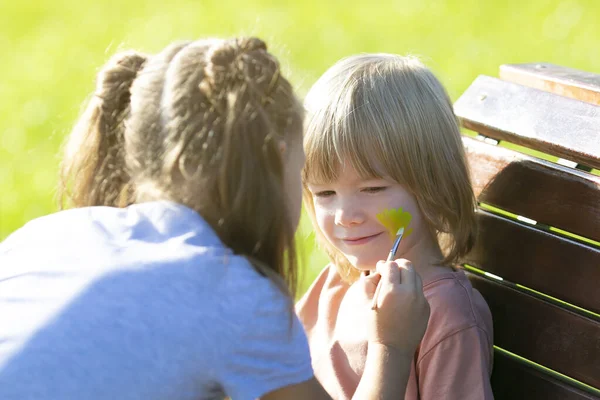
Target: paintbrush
column 396, row 221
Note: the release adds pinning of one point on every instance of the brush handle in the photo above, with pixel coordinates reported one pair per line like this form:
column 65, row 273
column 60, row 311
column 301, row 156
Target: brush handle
column 394, row 249
column 390, row 258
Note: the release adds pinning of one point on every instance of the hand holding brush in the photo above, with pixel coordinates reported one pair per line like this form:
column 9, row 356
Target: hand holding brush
column 396, row 221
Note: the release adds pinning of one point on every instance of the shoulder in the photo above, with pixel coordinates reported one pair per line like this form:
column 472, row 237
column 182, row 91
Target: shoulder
column 94, row 227
column 263, row 313
column 455, row 307
column 250, row 287
column 328, row 280
column 320, row 298
column 47, row 227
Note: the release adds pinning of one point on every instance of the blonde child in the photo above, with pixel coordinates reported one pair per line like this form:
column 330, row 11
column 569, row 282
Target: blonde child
column 185, row 292
column 380, row 134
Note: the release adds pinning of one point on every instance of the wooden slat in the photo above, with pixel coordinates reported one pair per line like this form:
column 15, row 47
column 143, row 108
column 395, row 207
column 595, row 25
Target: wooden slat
column 514, row 380
column 542, row 332
column 532, row 118
column 568, row 82
column 549, row 193
column 558, row 267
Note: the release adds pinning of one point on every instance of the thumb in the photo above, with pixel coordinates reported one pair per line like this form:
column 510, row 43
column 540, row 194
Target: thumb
column 371, row 283
column 408, row 274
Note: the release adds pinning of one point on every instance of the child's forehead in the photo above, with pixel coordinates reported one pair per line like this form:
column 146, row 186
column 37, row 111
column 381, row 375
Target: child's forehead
column 347, row 174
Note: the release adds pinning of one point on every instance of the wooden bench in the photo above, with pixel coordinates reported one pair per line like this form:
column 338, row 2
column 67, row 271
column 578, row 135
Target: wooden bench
column 534, row 152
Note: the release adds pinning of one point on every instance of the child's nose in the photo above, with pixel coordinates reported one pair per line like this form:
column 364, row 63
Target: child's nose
column 349, row 215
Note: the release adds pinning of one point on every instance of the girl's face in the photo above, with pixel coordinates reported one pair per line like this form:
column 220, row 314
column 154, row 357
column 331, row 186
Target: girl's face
column 346, row 212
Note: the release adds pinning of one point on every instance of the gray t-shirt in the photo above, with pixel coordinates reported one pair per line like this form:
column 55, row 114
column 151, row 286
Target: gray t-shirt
column 139, row 303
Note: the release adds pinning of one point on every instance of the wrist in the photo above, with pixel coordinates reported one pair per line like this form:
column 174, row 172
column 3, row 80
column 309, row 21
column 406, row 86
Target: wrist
column 391, row 351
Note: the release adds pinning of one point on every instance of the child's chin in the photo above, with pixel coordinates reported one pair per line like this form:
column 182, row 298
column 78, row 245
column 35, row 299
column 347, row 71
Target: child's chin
column 364, row 264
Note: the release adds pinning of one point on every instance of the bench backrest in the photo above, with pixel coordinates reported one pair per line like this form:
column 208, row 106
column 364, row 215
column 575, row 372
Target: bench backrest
column 534, row 153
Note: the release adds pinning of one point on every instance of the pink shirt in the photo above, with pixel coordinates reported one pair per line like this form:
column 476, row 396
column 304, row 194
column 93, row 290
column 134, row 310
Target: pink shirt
column 453, row 361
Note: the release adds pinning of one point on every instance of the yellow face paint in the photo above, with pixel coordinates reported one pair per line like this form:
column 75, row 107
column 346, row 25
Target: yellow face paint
column 394, row 219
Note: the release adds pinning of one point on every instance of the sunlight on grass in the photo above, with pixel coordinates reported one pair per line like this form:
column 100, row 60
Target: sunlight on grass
column 529, row 221
column 561, row 302
column 54, row 49
column 574, row 236
column 549, row 371
column 587, row 312
column 471, row 268
column 497, row 210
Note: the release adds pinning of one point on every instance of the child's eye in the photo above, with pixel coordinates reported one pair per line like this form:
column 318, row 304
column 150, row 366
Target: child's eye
column 324, row 193
column 375, row 189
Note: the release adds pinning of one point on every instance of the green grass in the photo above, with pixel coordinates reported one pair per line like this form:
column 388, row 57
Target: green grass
column 52, row 49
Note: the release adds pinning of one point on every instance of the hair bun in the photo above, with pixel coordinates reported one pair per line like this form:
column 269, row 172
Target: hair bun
column 115, row 80
column 132, row 60
column 251, row 44
column 225, row 53
column 121, row 70
column 222, row 55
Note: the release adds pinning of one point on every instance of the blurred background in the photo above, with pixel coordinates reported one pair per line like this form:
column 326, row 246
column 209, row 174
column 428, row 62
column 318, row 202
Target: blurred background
column 51, row 51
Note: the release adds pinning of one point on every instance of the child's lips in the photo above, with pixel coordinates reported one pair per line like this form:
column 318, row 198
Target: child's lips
column 358, row 240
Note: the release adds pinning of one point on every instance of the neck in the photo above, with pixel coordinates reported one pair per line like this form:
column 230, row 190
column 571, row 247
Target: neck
column 425, row 255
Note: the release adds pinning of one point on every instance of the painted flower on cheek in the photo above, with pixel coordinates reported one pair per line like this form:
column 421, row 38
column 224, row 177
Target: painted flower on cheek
column 394, row 219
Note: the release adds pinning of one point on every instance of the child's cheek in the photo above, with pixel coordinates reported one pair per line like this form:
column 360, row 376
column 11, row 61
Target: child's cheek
column 325, row 220
column 406, row 201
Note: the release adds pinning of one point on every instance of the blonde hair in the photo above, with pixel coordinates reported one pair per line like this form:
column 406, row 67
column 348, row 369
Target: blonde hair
column 201, row 124
column 389, row 115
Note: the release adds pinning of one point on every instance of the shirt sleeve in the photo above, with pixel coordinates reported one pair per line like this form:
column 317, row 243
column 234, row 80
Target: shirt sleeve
column 457, row 368
column 270, row 350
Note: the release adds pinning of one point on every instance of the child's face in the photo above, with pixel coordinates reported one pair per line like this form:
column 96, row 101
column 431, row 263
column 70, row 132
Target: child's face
column 346, row 212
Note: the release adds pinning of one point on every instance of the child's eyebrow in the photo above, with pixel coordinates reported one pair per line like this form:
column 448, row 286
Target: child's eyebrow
column 354, row 182
column 319, row 184
column 372, row 179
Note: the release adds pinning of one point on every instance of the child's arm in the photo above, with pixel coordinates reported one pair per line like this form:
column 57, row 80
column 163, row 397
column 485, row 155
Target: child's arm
column 386, row 373
column 458, row 367
column 401, row 303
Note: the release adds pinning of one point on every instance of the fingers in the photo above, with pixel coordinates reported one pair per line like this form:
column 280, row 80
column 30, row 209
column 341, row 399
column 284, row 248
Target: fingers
column 399, row 271
column 371, row 282
column 408, row 274
column 389, row 271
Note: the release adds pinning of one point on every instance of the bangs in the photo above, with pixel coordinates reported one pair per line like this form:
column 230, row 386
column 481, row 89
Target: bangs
column 340, row 139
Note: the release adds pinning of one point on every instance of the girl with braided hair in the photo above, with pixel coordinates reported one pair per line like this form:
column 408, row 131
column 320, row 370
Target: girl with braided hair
column 173, row 275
